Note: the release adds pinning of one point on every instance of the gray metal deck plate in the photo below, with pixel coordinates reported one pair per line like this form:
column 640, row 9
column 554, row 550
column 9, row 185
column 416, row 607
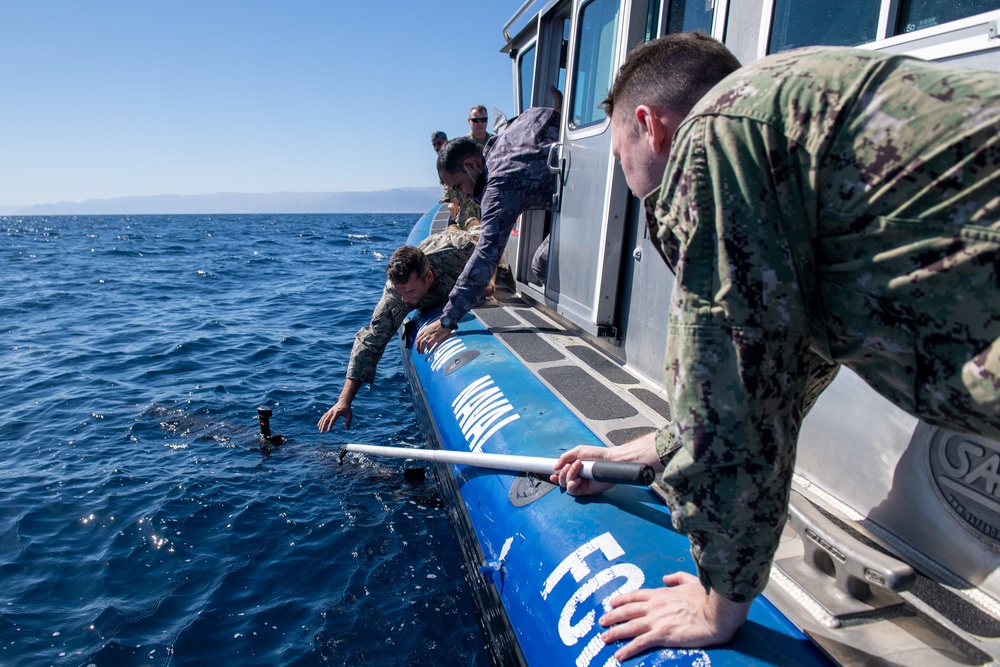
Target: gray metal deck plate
column 615, row 403
column 535, row 320
column 497, row 317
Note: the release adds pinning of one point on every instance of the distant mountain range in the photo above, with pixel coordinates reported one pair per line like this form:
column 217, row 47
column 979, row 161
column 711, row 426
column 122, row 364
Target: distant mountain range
column 399, row 200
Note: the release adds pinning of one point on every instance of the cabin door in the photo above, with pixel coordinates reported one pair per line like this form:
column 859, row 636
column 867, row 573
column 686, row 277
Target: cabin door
column 585, row 253
column 539, row 55
column 589, row 222
column 644, row 295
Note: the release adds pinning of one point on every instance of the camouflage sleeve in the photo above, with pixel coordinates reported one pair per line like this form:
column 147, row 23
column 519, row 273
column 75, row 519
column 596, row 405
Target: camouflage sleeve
column 821, row 374
column 468, row 210
column 370, row 342
column 738, row 359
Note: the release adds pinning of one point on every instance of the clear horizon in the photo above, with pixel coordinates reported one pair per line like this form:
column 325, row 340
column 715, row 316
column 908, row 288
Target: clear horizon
column 108, row 99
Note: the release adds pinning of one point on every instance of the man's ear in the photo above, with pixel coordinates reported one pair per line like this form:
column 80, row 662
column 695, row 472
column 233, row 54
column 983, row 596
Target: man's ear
column 472, row 163
column 656, row 126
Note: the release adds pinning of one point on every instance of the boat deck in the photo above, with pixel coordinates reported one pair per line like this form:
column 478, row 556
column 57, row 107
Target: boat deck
column 615, row 403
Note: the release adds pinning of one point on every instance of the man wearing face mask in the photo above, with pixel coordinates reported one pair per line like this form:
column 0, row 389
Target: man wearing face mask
column 418, row 278
column 507, row 177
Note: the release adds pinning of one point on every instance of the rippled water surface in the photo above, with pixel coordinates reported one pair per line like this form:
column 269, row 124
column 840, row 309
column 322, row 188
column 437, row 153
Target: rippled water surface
column 140, row 521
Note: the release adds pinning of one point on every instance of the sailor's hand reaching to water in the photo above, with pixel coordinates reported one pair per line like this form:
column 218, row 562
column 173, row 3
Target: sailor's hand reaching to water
column 338, row 410
column 342, row 408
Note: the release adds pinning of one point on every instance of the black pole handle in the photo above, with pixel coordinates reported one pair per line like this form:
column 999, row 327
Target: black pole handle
column 620, row 472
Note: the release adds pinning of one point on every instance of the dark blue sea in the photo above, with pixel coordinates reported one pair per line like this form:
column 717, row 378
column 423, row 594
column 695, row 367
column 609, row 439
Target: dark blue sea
column 141, row 520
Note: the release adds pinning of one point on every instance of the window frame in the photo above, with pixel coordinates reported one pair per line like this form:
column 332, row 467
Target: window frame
column 965, row 36
column 529, row 47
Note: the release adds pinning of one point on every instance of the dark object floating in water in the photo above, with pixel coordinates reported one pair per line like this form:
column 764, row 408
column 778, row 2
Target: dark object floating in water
column 414, row 474
column 268, row 441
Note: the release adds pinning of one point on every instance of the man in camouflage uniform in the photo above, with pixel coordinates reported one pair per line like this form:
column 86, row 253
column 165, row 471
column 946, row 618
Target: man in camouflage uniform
column 464, row 210
column 509, row 176
column 468, row 212
column 418, row 278
column 819, row 207
column 478, row 119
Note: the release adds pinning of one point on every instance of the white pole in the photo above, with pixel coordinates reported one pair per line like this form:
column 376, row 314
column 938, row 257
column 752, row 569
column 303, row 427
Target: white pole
column 606, row 471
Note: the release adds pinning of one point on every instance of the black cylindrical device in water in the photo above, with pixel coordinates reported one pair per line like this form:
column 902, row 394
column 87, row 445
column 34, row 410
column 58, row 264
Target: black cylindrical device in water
column 265, row 422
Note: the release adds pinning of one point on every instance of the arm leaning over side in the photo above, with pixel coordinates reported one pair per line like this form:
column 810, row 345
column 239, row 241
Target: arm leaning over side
column 369, row 344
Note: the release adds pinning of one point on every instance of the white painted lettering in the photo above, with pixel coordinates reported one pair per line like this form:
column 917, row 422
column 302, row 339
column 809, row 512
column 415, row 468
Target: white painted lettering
column 575, row 564
column 473, row 387
column 480, row 411
column 572, row 633
column 446, row 351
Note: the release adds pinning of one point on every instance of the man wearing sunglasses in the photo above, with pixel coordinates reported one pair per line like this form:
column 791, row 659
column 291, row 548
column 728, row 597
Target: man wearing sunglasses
column 477, row 125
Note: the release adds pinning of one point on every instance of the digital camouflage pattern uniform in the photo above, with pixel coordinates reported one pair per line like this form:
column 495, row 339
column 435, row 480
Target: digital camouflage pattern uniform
column 517, row 180
column 447, row 252
column 821, row 207
column 468, row 208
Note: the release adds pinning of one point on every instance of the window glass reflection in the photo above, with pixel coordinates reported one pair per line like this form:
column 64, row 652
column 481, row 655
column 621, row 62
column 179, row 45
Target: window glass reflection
column 595, row 59
column 691, row 15
column 797, row 23
column 918, row 14
column 526, row 76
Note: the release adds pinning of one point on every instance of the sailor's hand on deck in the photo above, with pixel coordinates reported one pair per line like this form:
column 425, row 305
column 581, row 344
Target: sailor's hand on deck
column 569, row 465
column 431, row 336
column 678, row 616
column 340, row 409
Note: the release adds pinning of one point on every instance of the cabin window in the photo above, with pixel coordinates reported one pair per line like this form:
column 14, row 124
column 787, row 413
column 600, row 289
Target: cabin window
column 595, row 58
column 797, row 23
column 526, row 76
column 653, row 19
column 918, row 14
column 685, row 15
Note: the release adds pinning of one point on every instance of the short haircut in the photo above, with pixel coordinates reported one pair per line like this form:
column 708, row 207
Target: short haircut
column 406, row 261
column 439, row 135
column 455, row 152
column 672, row 72
column 479, row 107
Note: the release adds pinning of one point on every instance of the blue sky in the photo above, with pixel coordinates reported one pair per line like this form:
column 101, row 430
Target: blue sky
column 103, row 99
